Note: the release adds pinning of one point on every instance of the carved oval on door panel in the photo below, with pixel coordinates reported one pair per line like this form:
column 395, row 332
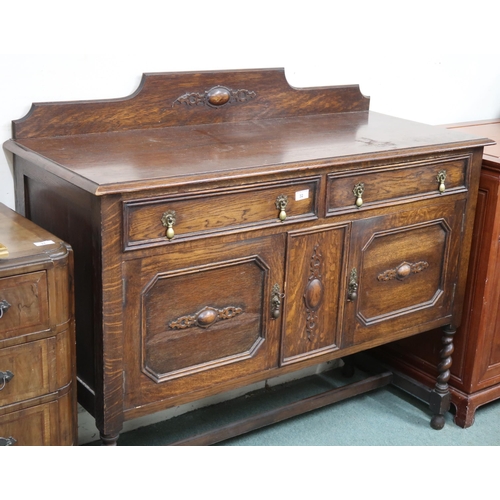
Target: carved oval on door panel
column 207, row 317
column 404, row 270
column 314, row 294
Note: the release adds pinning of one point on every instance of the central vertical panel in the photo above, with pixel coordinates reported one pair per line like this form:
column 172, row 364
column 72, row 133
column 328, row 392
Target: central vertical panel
column 314, row 287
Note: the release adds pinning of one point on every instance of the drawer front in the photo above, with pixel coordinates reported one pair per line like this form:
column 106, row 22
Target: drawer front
column 402, row 272
column 369, row 188
column 30, row 365
column 201, row 316
column 23, row 304
column 36, row 426
column 212, row 212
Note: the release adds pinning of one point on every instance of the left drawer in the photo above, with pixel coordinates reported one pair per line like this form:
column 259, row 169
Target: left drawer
column 24, row 308
column 211, row 212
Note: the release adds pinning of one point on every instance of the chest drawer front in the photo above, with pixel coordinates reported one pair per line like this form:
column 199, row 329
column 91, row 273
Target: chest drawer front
column 196, row 319
column 369, row 188
column 25, row 304
column 36, row 426
column 212, row 212
column 32, row 370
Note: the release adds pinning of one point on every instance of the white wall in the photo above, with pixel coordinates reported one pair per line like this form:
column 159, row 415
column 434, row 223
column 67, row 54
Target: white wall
column 435, row 62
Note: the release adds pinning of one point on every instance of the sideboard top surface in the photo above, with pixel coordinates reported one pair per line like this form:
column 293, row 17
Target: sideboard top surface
column 165, row 134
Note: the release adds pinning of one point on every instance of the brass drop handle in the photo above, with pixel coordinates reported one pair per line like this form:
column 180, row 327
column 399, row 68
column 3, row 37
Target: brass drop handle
column 4, row 378
column 276, row 297
column 281, row 203
column 7, row 441
column 352, row 287
column 358, row 191
column 4, row 305
column 441, row 177
column 168, row 220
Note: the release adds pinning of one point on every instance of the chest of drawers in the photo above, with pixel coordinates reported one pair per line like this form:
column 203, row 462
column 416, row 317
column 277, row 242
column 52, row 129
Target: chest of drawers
column 37, row 336
column 228, row 228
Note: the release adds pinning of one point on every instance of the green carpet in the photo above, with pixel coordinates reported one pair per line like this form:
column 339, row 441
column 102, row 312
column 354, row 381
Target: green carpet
column 384, row 417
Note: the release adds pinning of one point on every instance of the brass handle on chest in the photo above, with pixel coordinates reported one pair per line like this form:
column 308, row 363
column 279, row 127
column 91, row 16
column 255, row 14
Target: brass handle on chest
column 7, row 441
column 4, row 305
column 358, row 191
column 441, row 177
column 281, row 203
column 168, row 221
column 4, row 378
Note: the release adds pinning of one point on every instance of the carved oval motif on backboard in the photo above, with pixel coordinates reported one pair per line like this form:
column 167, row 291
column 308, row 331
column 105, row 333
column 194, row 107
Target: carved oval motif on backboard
column 218, row 96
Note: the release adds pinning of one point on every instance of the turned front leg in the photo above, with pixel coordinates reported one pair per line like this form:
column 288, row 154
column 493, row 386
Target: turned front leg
column 109, row 440
column 440, row 397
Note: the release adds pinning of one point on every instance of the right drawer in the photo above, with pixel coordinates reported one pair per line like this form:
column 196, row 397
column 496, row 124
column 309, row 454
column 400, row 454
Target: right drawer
column 379, row 186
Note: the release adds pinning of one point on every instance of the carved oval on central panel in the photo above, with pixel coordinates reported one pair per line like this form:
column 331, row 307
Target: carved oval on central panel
column 314, row 294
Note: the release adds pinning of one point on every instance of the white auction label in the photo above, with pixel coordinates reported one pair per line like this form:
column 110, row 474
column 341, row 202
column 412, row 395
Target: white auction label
column 43, row 243
column 302, row 195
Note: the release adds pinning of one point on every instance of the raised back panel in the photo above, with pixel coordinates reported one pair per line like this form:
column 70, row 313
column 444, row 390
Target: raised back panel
column 177, row 99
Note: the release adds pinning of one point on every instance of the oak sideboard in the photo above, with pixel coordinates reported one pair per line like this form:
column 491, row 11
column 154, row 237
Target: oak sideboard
column 228, row 228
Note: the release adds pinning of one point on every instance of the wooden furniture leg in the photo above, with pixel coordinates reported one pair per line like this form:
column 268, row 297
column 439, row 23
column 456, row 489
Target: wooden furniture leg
column 109, row 440
column 440, row 397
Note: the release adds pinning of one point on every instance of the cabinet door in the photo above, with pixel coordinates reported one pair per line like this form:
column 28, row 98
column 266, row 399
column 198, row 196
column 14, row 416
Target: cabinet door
column 314, row 298
column 200, row 315
column 402, row 272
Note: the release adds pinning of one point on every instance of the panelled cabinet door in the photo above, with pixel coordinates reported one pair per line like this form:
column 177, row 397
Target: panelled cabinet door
column 315, row 277
column 402, row 271
column 201, row 314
